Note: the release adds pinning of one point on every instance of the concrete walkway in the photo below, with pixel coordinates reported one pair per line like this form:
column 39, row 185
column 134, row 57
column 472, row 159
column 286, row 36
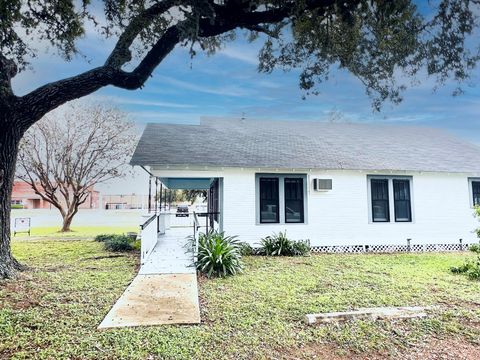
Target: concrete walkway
column 170, row 255
column 164, row 292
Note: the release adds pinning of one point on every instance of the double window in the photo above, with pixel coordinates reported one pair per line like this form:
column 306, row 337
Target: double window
column 281, row 199
column 390, row 195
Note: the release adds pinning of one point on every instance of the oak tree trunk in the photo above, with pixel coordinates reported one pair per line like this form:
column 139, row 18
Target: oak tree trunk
column 9, row 139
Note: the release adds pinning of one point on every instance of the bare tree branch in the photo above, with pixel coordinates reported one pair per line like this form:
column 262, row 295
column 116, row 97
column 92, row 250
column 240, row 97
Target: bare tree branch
column 73, row 149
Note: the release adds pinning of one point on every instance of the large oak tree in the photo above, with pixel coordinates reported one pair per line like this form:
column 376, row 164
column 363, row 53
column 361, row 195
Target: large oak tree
column 380, row 42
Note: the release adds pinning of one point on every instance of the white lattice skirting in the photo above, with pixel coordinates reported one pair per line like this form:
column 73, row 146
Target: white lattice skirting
column 389, row 248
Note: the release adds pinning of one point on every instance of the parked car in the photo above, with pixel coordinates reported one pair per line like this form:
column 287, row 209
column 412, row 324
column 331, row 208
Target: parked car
column 182, row 211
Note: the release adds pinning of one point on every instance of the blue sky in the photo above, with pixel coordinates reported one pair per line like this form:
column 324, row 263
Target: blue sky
column 228, row 84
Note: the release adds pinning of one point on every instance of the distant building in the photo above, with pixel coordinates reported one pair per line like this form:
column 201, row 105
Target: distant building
column 123, row 201
column 24, row 196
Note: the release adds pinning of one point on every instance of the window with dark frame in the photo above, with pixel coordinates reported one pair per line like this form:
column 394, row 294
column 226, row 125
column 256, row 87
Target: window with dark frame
column 476, row 193
column 401, row 197
column 294, row 212
column 269, row 200
column 380, row 204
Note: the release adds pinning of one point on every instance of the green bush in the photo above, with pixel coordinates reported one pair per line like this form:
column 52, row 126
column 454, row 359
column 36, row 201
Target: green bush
column 280, row 245
column 218, row 255
column 16, row 206
column 137, row 244
column 119, row 243
column 245, row 249
column 471, row 268
column 465, row 267
column 475, row 248
column 301, row 247
column 115, row 242
column 104, row 237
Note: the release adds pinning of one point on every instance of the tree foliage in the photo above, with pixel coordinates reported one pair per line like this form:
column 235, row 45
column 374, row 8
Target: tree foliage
column 380, row 42
column 72, row 149
column 192, row 195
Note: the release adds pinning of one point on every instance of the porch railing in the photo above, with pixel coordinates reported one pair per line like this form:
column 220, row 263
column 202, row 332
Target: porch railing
column 149, row 231
column 209, row 226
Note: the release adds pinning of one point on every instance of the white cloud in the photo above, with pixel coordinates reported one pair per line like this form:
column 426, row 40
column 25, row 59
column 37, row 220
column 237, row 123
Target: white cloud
column 246, row 55
column 234, row 91
column 133, row 101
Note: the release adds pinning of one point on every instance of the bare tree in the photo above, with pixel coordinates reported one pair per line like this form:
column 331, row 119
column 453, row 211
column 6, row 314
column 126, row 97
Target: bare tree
column 69, row 151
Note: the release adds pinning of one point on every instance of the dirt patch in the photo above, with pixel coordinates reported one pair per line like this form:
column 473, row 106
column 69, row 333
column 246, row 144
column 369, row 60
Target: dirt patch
column 432, row 349
column 13, row 289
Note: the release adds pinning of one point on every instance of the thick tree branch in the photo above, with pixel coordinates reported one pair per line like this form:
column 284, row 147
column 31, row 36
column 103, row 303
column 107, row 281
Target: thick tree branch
column 121, row 53
column 48, row 97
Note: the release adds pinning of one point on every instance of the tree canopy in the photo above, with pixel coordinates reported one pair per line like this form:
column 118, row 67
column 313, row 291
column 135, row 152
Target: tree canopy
column 380, row 42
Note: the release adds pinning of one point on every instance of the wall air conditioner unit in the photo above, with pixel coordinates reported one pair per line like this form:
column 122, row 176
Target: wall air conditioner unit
column 322, row 184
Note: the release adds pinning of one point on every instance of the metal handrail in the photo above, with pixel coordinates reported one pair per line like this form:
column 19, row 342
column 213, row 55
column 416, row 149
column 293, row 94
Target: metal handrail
column 196, row 223
column 150, row 219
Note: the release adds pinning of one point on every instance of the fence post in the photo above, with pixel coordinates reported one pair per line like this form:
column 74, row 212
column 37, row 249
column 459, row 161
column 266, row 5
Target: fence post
column 461, row 244
column 409, row 247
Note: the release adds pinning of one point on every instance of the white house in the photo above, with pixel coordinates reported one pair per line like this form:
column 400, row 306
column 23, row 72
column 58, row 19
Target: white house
column 343, row 186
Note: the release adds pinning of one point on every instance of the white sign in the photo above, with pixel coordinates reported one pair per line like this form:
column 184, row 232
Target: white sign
column 22, row 225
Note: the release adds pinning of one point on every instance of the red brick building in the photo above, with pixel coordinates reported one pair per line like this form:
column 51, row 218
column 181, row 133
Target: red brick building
column 23, row 195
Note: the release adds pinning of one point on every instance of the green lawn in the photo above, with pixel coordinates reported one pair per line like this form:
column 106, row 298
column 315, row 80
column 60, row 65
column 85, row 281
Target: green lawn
column 53, row 309
column 77, row 231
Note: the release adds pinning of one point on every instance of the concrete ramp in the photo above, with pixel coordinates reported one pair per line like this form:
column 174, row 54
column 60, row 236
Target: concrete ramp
column 156, row 300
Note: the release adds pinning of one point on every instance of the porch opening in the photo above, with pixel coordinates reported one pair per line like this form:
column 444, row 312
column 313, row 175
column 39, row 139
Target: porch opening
column 172, row 213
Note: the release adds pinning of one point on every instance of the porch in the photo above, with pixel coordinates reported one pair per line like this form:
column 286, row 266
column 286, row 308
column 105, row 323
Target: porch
column 169, row 239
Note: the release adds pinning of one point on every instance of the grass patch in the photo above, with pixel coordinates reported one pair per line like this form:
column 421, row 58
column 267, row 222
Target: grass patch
column 77, row 231
column 53, row 309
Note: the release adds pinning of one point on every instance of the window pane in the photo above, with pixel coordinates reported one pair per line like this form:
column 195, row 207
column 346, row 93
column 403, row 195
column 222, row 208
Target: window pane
column 379, row 193
column 293, row 200
column 476, row 193
column 269, row 200
column 401, row 193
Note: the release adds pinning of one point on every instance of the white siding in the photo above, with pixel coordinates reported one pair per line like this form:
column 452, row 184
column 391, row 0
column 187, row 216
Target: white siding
column 440, row 205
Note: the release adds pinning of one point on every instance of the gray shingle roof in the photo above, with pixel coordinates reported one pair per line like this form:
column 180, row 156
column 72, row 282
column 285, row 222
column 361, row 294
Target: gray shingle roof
column 305, row 145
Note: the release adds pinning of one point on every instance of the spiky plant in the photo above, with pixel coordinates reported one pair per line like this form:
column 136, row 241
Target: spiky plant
column 218, row 255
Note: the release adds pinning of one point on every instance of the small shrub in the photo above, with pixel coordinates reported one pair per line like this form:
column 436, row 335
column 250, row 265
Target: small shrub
column 280, row 245
column 475, row 248
column 301, row 247
column 104, row 237
column 119, row 243
column 218, row 255
column 462, row 268
column 471, row 267
column 275, row 245
column 137, row 244
column 245, row 249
